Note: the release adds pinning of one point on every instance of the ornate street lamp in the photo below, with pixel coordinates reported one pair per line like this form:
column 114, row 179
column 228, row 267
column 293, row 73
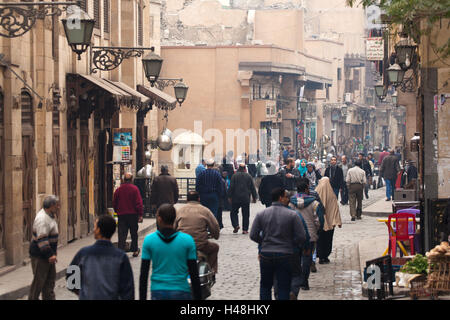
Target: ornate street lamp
column 405, row 54
column 303, row 103
column 180, row 92
column 395, row 74
column 78, row 28
column 380, row 91
column 152, row 66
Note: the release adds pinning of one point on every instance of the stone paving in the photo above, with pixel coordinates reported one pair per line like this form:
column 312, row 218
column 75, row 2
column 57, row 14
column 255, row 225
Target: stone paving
column 238, row 277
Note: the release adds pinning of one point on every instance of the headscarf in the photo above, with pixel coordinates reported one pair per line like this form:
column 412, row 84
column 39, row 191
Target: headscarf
column 330, row 203
column 311, row 175
column 302, row 169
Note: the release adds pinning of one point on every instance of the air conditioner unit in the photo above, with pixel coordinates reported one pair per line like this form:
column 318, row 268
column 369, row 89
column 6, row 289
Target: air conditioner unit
column 348, row 97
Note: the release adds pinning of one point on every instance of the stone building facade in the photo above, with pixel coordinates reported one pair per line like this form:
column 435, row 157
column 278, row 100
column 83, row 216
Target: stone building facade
column 63, row 145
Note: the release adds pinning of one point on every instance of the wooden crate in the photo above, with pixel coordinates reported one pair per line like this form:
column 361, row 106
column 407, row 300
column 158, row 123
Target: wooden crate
column 439, row 274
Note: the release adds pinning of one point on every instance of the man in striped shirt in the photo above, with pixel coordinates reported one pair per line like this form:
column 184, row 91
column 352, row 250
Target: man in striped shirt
column 43, row 248
column 209, row 185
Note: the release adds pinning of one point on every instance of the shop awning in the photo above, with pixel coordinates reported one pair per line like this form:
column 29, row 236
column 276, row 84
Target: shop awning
column 159, row 98
column 124, row 94
column 144, row 99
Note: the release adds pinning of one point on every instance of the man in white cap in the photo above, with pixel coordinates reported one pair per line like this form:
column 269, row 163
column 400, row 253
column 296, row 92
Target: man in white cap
column 209, row 185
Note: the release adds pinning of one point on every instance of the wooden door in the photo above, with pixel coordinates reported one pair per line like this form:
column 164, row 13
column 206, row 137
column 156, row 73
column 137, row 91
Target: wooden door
column 100, row 173
column 71, row 179
column 28, row 164
column 84, row 176
column 2, row 177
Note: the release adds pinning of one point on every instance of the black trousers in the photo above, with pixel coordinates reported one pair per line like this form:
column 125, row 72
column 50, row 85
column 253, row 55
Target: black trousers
column 235, row 206
column 128, row 222
column 325, row 244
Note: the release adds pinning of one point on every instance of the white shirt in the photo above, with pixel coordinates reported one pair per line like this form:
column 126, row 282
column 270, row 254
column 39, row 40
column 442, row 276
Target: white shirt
column 356, row 175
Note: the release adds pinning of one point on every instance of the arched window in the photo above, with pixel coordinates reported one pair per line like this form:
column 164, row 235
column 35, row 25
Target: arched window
column 27, row 108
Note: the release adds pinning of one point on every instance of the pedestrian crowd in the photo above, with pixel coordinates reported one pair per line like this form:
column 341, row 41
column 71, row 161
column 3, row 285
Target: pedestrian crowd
column 295, row 229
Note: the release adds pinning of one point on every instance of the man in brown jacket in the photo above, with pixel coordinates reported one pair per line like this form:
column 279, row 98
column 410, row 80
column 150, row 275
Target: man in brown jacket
column 164, row 188
column 196, row 220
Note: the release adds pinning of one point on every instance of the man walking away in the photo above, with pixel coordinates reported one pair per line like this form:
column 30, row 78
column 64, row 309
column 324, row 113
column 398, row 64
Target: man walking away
column 43, row 250
column 127, row 203
column 356, row 179
column 277, row 230
column 344, row 192
column 290, row 175
column 164, row 188
column 389, row 169
column 268, row 183
column 209, row 185
column 368, row 170
column 196, row 220
column 105, row 270
column 241, row 188
column 174, row 258
column 336, row 176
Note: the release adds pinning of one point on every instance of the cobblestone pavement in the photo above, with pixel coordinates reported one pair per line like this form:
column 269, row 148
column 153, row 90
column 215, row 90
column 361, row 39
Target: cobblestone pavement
column 238, row 277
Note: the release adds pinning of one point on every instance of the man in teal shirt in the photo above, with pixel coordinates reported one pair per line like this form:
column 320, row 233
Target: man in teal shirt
column 174, row 257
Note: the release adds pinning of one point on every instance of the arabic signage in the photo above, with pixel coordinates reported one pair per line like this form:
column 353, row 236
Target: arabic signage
column 375, row 48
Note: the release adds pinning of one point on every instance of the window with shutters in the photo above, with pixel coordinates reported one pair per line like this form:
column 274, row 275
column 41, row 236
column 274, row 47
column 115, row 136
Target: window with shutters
column 140, row 27
column 97, row 13
column 106, row 14
column 27, row 109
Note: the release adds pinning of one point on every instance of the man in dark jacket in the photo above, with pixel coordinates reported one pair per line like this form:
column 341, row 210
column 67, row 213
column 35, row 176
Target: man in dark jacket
column 336, row 175
column 268, row 183
column 105, row 271
column 241, row 188
column 369, row 174
column 164, row 188
column 127, row 203
column 290, row 176
column 388, row 170
column 279, row 231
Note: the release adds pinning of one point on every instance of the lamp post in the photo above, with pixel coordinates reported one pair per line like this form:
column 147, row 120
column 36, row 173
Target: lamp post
column 180, row 92
column 380, row 91
column 395, row 74
column 152, row 66
column 78, row 28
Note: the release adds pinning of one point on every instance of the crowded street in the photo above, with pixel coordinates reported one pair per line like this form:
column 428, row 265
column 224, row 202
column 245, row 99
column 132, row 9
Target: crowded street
column 225, row 150
column 238, row 276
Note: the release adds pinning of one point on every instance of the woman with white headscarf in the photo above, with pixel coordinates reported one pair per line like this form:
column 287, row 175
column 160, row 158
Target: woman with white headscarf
column 332, row 219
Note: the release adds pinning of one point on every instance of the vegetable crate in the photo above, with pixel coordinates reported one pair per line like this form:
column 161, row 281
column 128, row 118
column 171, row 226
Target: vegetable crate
column 439, row 273
column 418, row 288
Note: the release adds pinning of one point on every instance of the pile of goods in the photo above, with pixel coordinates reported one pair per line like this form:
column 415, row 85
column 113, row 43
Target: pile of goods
column 439, row 267
column 440, row 251
column 418, row 265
